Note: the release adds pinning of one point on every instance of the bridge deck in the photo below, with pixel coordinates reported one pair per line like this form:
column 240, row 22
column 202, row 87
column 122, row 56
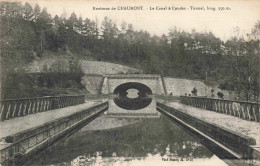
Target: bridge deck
column 16, row 125
column 231, row 123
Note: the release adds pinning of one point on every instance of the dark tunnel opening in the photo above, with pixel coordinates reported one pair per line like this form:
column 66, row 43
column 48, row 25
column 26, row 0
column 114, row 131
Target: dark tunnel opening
column 127, row 99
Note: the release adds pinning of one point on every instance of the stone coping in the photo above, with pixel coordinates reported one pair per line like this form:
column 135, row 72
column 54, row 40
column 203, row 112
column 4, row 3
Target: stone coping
column 17, row 125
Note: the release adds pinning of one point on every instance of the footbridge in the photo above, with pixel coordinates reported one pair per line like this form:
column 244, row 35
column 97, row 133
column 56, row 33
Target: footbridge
column 29, row 126
column 229, row 128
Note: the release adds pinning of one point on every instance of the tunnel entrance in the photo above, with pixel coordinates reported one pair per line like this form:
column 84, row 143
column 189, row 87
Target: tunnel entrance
column 132, row 96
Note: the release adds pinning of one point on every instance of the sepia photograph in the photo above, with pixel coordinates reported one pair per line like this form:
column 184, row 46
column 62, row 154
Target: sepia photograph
column 129, row 83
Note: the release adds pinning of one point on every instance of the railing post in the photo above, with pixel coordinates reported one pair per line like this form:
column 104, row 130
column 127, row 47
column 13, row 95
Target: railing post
column 257, row 112
column 24, row 108
column 8, row 111
column 2, row 113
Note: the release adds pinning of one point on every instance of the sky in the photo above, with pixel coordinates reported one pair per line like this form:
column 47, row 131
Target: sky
column 243, row 14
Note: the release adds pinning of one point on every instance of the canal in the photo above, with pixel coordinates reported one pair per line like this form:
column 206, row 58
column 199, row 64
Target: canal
column 154, row 141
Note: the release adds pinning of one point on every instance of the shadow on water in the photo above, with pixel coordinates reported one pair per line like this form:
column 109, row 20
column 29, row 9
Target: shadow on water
column 132, row 104
column 151, row 137
column 132, row 96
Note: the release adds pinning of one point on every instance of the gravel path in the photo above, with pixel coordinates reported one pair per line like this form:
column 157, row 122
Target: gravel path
column 249, row 128
column 12, row 126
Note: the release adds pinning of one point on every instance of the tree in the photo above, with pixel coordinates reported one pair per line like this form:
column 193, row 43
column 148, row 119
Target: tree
column 79, row 25
column 28, row 12
column 89, row 28
column 123, row 27
column 72, row 21
column 37, row 11
column 129, row 35
column 212, row 93
column 43, row 21
column 220, row 95
column 109, row 28
column 44, row 18
column 57, row 20
column 254, row 50
column 194, row 91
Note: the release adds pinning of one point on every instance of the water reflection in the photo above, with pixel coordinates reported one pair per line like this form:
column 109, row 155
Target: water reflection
column 150, row 159
column 132, row 96
column 127, row 103
column 158, row 140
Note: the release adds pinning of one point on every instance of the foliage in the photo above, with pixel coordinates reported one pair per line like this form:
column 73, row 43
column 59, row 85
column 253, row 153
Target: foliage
column 220, row 95
column 194, row 91
column 26, row 85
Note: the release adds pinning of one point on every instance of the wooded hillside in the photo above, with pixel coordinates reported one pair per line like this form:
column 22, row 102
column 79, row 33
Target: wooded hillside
column 29, row 31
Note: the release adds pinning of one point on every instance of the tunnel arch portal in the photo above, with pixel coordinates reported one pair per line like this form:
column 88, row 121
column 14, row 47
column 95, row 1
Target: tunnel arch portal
column 146, row 87
column 140, row 101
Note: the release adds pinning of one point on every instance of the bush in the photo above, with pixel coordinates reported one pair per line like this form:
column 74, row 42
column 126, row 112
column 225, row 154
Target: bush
column 220, row 95
column 194, row 91
column 24, row 85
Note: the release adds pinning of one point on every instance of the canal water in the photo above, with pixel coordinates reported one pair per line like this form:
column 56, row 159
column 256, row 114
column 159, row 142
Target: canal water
column 156, row 141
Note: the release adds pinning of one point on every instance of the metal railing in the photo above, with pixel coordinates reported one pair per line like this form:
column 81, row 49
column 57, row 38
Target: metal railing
column 12, row 108
column 241, row 109
column 51, row 130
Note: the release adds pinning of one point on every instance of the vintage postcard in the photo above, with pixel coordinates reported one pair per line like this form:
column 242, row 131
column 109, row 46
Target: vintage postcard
column 130, row 82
